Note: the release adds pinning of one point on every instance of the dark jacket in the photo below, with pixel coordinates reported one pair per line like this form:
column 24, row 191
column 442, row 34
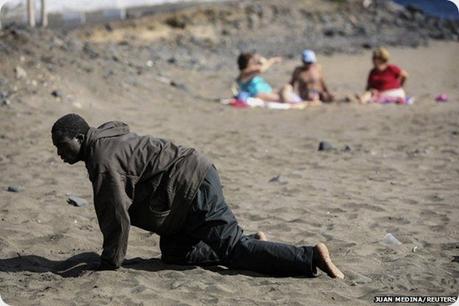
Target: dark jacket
column 139, row 180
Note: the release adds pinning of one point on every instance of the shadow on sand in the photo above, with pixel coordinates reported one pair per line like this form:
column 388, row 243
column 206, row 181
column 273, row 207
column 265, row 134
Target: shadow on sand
column 88, row 261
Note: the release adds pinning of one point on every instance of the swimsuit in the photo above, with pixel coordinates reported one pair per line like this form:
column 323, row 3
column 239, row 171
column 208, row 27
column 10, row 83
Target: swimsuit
column 255, row 86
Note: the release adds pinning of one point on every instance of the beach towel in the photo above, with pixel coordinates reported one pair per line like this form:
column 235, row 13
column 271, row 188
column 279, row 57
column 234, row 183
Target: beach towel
column 255, row 102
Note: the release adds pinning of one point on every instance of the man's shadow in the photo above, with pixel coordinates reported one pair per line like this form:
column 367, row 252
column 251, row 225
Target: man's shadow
column 88, row 261
column 70, row 267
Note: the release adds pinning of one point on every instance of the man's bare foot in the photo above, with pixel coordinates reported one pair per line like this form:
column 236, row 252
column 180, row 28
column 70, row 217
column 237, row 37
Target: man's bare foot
column 261, row 236
column 323, row 261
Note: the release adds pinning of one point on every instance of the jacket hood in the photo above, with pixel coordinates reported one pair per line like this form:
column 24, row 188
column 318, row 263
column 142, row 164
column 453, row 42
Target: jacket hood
column 106, row 130
column 110, row 129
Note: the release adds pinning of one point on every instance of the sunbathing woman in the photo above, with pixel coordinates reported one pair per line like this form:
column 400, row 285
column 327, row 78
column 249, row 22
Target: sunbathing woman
column 385, row 81
column 251, row 84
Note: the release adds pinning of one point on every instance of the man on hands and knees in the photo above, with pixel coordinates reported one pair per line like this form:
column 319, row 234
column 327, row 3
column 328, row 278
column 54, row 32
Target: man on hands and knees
column 173, row 191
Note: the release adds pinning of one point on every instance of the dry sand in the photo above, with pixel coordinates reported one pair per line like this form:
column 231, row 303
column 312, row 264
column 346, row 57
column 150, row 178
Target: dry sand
column 401, row 177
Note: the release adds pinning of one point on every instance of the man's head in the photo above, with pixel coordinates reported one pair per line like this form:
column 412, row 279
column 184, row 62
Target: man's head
column 308, row 57
column 68, row 133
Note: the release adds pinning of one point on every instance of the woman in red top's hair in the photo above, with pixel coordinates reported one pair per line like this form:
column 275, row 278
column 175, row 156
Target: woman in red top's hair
column 385, row 81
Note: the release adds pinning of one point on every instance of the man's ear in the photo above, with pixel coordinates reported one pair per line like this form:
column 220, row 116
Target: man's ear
column 80, row 138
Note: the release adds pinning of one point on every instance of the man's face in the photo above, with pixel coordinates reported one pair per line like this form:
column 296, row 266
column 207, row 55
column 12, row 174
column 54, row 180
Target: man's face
column 68, row 149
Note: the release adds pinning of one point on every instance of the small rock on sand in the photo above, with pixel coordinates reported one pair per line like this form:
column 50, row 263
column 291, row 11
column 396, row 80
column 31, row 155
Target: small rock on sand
column 15, row 188
column 56, row 93
column 325, row 146
column 20, row 72
column 278, row 179
column 180, row 86
column 77, row 201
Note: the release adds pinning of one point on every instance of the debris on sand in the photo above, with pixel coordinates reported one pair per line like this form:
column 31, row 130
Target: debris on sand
column 15, row 188
column 76, row 201
column 278, row 179
column 390, row 240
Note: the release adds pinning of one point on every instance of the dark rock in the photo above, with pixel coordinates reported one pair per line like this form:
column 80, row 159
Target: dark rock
column 15, row 188
column 330, row 32
column 175, row 22
column 172, row 60
column 123, row 43
column 367, row 45
column 108, row 27
column 347, row 148
column 226, row 32
column 57, row 93
column 361, row 30
column 325, row 146
column 76, row 201
column 455, row 133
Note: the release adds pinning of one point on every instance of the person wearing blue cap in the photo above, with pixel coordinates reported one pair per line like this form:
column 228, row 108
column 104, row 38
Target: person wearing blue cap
column 308, row 82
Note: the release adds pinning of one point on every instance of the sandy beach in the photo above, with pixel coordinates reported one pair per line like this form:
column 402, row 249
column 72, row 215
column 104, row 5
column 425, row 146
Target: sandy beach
column 400, row 176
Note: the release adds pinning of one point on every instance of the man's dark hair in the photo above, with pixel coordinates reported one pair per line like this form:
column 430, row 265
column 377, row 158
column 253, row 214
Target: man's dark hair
column 243, row 60
column 70, row 125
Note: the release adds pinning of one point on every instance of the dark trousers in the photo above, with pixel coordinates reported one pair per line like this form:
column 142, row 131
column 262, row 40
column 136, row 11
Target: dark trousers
column 212, row 236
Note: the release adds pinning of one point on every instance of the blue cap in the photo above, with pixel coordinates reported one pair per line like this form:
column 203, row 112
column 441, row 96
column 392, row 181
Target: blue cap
column 309, row 56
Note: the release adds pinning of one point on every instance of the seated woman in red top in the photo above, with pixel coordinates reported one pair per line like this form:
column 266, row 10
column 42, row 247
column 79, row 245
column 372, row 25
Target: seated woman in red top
column 385, row 81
